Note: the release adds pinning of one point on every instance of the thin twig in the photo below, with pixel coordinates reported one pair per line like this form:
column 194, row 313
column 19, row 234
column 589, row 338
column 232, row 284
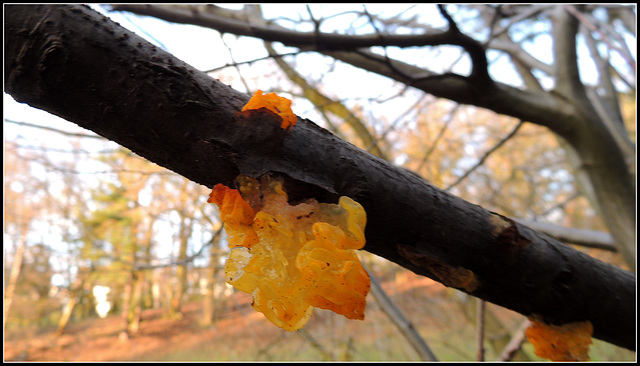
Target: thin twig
column 242, row 79
column 485, row 156
column 515, row 343
column 480, row 316
column 582, row 19
column 443, row 129
column 315, row 344
column 72, row 134
column 236, row 64
column 138, row 267
column 403, row 324
column 453, row 27
column 63, row 151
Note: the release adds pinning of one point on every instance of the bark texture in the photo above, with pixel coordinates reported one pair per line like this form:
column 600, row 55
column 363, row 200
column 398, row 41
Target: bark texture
column 76, row 63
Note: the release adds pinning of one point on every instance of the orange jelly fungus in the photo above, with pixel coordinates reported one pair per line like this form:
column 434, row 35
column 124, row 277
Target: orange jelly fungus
column 279, row 105
column 293, row 258
column 567, row 342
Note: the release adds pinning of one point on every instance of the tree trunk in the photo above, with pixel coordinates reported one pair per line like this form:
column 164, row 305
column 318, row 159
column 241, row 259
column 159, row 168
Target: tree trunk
column 127, row 298
column 66, row 314
column 76, row 63
column 75, row 293
column 138, row 280
column 181, row 268
column 16, row 265
column 209, row 300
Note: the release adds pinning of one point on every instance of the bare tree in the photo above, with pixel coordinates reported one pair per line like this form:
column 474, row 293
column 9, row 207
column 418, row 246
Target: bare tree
column 76, row 63
column 588, row 118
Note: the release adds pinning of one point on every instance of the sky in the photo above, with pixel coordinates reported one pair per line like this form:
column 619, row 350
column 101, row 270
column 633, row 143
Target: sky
column 201, row 48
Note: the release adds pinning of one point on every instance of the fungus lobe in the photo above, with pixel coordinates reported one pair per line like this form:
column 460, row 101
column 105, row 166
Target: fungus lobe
column 279, row 105
column 293, row 258
column 566, row 342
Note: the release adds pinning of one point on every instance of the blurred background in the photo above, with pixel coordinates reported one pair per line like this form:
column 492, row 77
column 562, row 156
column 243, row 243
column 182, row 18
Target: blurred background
column 110, row 257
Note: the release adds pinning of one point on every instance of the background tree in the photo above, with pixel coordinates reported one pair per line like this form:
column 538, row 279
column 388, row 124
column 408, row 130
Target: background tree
column 159, row 132
column 27, row 267
column 586, row 117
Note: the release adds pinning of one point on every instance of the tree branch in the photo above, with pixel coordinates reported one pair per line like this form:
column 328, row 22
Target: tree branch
column 70, row 134
column 325, row 41
column 585, row 238
column 506, row 45
column 534, row 107
column 524, row 12
column 404, row 325
column 605, row 100
column 567, row 75
column 515, row 343
column 76, row 63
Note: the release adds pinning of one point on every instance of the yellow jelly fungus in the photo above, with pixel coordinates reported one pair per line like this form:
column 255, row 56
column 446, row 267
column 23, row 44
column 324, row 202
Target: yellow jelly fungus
column 237, row 215
column 304, row 256
column 279, row 105
column 567, row 342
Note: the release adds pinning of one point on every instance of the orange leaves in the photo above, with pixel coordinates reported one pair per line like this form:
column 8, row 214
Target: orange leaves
column 304, row 256
column 567, row 342
column 279, row 105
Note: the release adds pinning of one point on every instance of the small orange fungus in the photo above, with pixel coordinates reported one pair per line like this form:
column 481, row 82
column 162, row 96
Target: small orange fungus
column 567, row 342
column 279, row 105
column 294, row 258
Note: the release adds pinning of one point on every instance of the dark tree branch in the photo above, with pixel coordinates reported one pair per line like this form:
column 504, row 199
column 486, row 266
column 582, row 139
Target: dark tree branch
column 324, row 41
column 328, row 41
column 534, row 107
column 565, row 57
column 475, row 49
column 587, row 238
column 537, row 107
column 76, row 63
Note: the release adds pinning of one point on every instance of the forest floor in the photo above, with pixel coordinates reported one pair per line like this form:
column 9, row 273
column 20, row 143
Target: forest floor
column 239, row 333
column 242, row 334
